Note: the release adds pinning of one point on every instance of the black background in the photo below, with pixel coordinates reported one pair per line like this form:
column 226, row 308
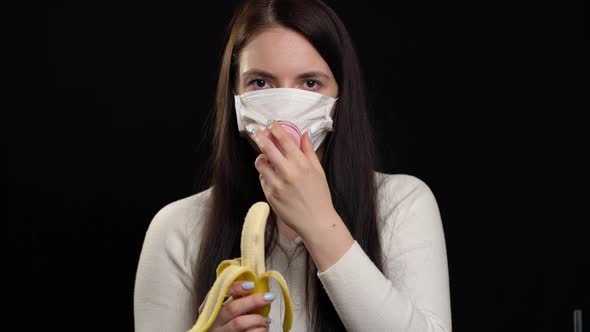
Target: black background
column 475, row 98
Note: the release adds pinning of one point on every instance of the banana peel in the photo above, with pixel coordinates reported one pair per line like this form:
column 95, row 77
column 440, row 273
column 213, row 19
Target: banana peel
column 249, row 267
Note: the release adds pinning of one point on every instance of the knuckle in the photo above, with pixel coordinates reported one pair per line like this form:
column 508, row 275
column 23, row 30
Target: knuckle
column 261, row 323
column 239, row 323
column 237, row 285
column 277, row 190
column 289, row 177
column 231, row 309
column 258, row 160
column 276, row 130
column 233, row 291
column 270, row 191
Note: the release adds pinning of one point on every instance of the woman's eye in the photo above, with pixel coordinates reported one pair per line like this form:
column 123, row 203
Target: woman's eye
column 311, row 84
column 258, row 83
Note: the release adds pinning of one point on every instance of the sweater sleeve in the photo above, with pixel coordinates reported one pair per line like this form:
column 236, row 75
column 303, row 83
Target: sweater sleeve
column 163, row 295
column 413, row 292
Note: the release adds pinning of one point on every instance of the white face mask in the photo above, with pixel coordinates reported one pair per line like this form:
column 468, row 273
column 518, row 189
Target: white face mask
column 307, row 110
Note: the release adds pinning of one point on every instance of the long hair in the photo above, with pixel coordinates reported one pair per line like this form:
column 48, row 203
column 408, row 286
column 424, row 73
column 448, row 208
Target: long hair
column 349, row 156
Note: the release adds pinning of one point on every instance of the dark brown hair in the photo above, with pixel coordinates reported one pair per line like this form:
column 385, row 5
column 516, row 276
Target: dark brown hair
column 349, row 156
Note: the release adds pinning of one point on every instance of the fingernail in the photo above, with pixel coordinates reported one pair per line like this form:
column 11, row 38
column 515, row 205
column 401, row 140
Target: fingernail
column 248, row 285
column 269, row 297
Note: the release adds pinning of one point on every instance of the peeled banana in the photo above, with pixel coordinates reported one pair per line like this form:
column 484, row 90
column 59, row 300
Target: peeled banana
column 249, row 267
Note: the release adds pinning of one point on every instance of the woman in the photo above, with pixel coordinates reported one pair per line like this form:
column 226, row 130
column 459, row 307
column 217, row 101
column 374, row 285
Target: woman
column 360, row 250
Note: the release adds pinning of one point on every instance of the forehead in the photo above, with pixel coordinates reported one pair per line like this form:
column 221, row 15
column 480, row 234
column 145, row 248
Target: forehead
column 282, row 52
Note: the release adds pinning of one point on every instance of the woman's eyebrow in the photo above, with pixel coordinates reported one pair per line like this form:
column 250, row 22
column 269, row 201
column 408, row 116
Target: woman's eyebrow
column 258, row 73
column 268, row 75
column 312, row 74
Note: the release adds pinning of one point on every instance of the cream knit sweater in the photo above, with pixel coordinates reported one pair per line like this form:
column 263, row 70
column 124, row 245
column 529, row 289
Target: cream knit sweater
column 411, row 295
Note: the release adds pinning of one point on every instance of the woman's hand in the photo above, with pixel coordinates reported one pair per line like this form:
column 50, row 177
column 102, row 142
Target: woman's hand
column 293, row 180
column 235, row 313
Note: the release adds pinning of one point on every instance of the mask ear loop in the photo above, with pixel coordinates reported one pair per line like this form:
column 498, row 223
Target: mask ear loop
column 326, row 124
column 331, row 111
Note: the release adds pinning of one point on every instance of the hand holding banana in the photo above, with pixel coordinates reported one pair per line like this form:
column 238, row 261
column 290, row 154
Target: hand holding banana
column 251, row 268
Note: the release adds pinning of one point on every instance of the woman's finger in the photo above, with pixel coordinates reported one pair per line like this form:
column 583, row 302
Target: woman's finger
column 240, row 288
column 268, row 176
column 308, row 151
column 291, row 150
column 242, row 306
column 258, row 329
column 273, row 154
column 236, row 290
column 245, row 323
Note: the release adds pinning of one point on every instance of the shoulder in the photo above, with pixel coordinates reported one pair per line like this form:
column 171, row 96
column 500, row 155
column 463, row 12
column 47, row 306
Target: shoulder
column 181, row 214
column 403, row 199
column 182, row 211
column 172, row 228
column 401, row 188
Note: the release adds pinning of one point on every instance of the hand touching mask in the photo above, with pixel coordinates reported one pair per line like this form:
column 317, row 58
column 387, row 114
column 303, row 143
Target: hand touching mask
column 305, row 110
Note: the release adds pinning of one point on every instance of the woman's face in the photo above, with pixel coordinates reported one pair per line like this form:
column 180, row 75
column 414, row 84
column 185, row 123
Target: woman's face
column 282, row 58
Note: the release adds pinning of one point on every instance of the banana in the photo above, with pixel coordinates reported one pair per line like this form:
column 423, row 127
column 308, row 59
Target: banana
column 249, row 267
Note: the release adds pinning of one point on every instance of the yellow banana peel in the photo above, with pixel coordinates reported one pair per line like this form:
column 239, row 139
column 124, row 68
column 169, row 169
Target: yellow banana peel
column 249, row 267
